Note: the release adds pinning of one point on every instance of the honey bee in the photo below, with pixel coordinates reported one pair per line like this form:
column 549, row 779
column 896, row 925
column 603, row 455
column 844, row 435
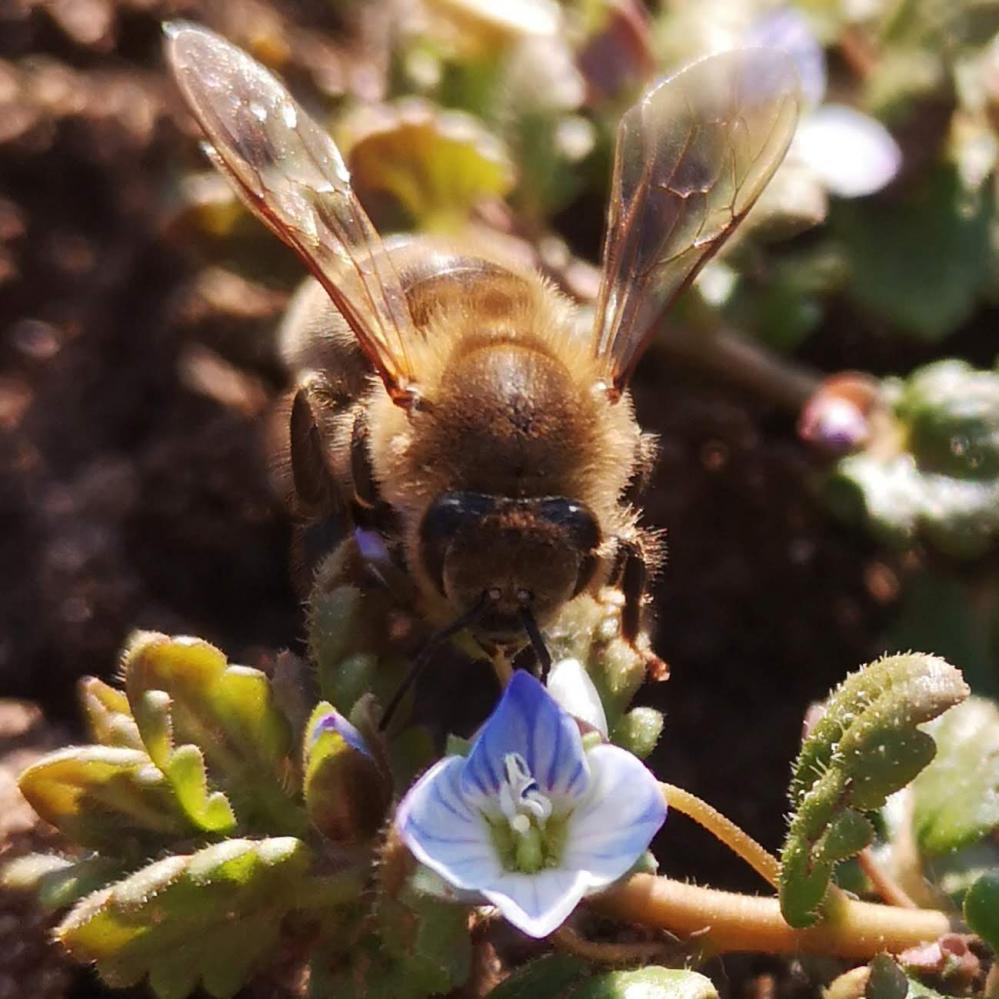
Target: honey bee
column 446, row 400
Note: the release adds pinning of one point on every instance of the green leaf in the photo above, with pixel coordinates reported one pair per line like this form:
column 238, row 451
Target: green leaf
column 956, row 799
column 184, row 767
column 921, row 260
column 551, row 975
column 108, row 716
column 57, row 881
column 186, row 699
column 864, row 748
column 981, row 908
column 438, row 164
column 104, row 797
column 213, row 917
column 648, row 983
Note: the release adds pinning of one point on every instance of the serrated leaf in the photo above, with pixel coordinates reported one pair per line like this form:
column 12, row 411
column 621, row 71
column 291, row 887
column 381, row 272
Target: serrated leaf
column 649, row 983
column 864, row 748
column 956, row 799
column 183, row 692
column 186, row 919
column 981, row 908
column 108, row 716
column 104, row 797
column 184, row 767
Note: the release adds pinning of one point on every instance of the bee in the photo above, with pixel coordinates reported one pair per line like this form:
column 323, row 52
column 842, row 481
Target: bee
column 446, row 399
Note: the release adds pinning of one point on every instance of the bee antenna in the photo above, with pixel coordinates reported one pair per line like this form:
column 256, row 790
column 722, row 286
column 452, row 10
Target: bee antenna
column 537, row 641
column 424, row 656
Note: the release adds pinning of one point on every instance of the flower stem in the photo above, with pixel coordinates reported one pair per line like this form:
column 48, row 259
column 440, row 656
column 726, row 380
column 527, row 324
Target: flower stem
column 723, row 829
column 725, row 922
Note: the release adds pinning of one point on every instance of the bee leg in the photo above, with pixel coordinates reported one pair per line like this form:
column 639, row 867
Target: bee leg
column 315, row 486
column 631, row 573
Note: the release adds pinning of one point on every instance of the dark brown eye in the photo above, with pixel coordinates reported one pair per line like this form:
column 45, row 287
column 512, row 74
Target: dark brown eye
column 577, row 521
column 445, row 517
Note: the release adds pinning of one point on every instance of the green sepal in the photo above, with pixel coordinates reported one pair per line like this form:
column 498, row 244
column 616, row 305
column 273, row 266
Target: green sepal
column 213, row 917
column 104, row 797
column 864, row 748
column 638, row 731
column 955, row 800
column 347, row 793
column 108, row 716
column 182, row 691
column 981, row 908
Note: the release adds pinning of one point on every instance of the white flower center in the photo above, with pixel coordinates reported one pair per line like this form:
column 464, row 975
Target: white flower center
column 520, row 798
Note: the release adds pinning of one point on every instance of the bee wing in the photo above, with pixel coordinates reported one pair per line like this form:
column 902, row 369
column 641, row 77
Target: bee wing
column 692, row 157
column 291, row 175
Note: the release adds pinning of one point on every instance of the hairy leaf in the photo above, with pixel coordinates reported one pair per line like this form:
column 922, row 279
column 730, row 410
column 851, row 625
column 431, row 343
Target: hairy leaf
column 109, row 718
column 652, row 982
column 211, row 917
column 187, row 700
column 104, row 797
column 865, row 747
column 956, row 799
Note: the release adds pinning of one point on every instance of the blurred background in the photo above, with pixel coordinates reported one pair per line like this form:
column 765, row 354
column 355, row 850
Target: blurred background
column 812, row 523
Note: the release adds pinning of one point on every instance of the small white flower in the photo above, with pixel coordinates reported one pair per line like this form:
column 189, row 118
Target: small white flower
column 529, row 821
column 851, row 153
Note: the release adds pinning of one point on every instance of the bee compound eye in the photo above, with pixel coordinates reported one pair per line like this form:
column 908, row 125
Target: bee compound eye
column 444, row 519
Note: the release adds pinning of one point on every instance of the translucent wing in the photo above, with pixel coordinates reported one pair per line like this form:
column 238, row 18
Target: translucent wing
column 292, row 176
column 692, row 157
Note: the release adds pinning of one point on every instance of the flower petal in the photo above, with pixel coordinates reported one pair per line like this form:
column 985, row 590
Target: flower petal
column 572, row 687
column 537, row 903
column 623, row 811
column 788, row 30
column 528, row 721
column 852, row 153
column 333, row 721
column 444, row 832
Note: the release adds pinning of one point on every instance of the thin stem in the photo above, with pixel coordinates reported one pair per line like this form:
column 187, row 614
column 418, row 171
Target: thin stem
column 737, row 358
column 607, row 952
column 726, row 922
column 884, row 884
column 724, row 829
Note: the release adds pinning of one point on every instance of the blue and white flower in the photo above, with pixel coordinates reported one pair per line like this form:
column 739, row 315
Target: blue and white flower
column 531, row 821
column 851, row 153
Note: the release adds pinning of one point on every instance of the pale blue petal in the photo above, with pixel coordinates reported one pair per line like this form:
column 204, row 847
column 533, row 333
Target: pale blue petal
column 444, row 832
column 616, row 823
column 333, row 721
column 788, row 30
column 851, row 153
column 528, row 721
column 538, row 903
column 570, row 685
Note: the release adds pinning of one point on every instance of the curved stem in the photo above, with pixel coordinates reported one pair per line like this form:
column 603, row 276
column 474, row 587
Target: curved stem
column 725, row 922
column 607, row 952
column 724, row 829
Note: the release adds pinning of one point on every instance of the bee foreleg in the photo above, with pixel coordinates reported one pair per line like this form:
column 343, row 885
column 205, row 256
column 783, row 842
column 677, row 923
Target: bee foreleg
column 631, row 575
